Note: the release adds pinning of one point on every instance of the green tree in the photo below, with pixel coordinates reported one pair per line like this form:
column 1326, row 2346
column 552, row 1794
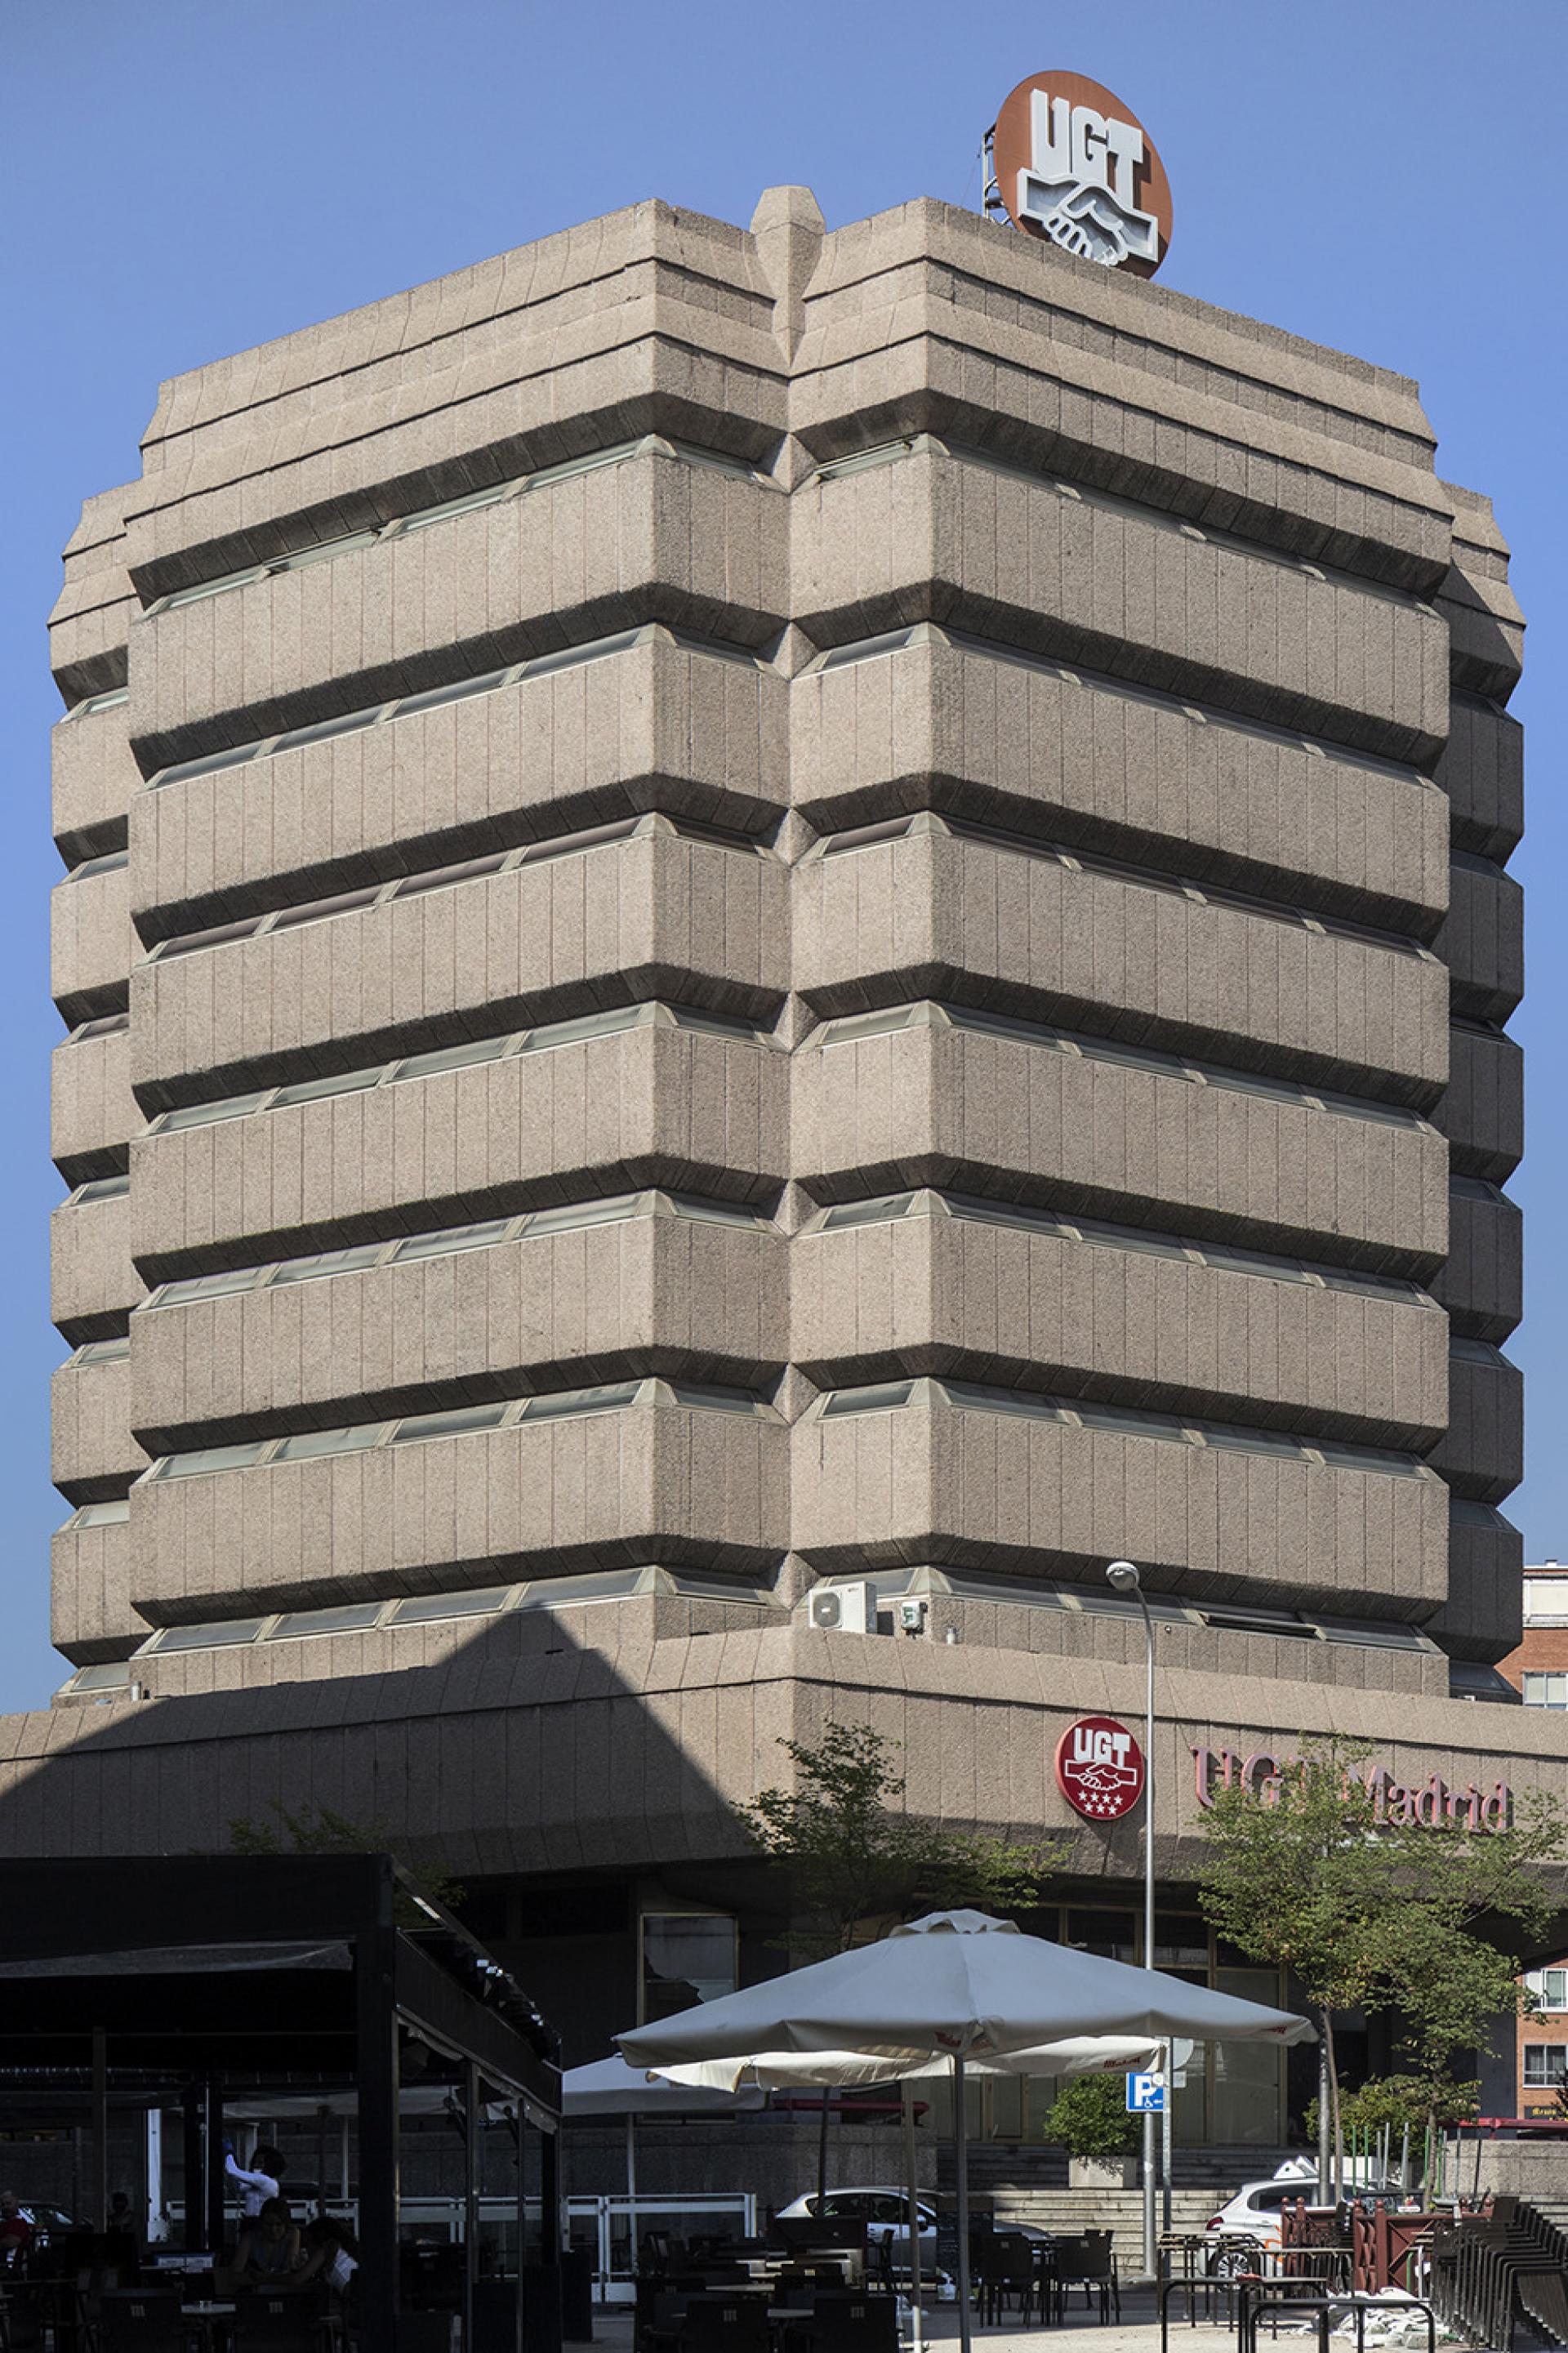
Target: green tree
column 319, row 1830
column 1427, row 1919
column 1299, row 1883
column 857, row 1861
column 1463, row 1907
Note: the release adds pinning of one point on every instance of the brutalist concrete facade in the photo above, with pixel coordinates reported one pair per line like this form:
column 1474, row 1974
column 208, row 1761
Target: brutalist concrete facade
column 977, row 792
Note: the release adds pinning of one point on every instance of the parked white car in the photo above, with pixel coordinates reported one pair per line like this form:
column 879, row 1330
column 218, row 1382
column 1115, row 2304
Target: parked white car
column 884, row 2210
column 881, row 2207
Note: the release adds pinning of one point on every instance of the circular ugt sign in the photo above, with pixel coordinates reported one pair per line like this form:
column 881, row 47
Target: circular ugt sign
column 1099, row 1768
column 1075, row 165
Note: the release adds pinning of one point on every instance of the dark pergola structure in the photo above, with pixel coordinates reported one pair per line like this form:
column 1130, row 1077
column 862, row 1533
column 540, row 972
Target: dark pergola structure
column 171, row 1981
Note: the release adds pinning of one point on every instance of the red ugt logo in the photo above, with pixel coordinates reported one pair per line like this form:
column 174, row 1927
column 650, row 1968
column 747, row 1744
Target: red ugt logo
column 1099, row 1768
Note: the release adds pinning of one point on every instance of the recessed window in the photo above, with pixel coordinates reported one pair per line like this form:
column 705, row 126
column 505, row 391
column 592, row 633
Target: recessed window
column 447, row 1058
column 687, row 1957
column 338, row 1261
column 110, row 862
column 477, row 1601
column 205, row 1286
column 1546, row 1691
column 102, row 1189
column 305, row 1090
column 457, row 1423
column 344, row 1617
column 606, row 1398
column 455, row 1238
column 225, row 1634
column 287, row 918
column 310, row 1445
column 1546, row 2065
column 210, row 1458
column 110, row 1514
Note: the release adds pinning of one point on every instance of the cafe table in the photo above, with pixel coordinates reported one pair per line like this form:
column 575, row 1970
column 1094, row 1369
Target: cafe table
column 209, row 2318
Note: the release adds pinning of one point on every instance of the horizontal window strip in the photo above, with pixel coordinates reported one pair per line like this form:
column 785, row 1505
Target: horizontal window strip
column 449, row 1240
column 460, row 1421
column 404, row 526
column 586, row 1588
column 1219, row 1257
column 1146, row 878
column 1126, row 1421
column 1199, row 714
column 915, row 445
column 546, row 1039
column 1091, row 1602
column 654, row 825
column 489, row 683
column 927, row 1013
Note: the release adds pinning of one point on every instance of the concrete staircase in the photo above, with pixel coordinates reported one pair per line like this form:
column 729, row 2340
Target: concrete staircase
column 1121, row 2212
column 1030, row 2185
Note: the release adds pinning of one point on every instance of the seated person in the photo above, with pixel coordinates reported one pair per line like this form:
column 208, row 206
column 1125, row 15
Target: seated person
column 332, row 2254
column 268, row 2251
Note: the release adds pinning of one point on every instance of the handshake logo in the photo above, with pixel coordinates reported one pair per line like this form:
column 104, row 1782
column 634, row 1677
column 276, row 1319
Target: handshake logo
column 1078, row 186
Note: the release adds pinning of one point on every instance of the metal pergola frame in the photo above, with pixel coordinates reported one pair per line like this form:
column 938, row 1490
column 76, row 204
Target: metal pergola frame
column 159, row 1979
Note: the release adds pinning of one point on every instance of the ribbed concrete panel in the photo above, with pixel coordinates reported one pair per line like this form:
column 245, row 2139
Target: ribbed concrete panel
column 936, row 538
column 90, row 1616
column 94, row 776
column 649, row 917
column 93, row 1282
column 92, row 614
column 953, row 1483
column 933, row 1294
column 1481, row 1283
column 923, row 359
column 93, row 1452
column 91, row 945
column 644, row 1106
column 1482, row 772
column 944, row 725
column 93, row 1111
column 1482, row 1114
column 1483, row 940
column 1482, row 1455
column 935, row 915
column 996, row 1116
column 651, row 1292
column 607, row 1489
column 649, row 539
column 658, row 726
column 1483, row 1616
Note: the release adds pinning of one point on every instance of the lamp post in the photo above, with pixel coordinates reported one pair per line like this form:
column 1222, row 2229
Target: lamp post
column 1123, row 1577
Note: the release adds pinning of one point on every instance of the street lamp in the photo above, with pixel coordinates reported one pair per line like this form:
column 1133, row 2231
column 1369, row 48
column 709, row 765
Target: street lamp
column 1123, row 1577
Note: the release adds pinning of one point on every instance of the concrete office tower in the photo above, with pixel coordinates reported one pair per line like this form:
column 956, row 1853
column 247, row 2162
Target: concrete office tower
column 749, row 907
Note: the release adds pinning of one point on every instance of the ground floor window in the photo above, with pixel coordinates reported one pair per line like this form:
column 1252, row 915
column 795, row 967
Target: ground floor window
column 687, row 1957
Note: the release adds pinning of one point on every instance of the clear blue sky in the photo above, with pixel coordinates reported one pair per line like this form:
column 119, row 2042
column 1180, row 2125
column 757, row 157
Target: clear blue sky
column 187, row 177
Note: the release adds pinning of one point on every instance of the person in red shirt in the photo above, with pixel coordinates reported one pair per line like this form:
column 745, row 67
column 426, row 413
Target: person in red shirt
column 15, row 2232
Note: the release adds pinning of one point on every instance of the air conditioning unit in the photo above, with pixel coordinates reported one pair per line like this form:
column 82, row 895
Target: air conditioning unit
column 845, row 1609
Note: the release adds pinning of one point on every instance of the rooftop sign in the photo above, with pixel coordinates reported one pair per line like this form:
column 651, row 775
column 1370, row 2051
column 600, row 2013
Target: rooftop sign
column 1070, row 163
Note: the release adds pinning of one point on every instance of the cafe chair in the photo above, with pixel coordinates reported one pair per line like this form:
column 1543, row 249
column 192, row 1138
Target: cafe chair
column 1005, row 2274
column 724, row 2323
column 292, row 2323
column 146, row 2318
column 845, row 2321
column 1087, row 2262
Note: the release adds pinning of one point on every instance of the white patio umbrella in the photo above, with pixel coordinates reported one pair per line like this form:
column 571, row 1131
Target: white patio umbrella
column 1080, row 2055
column 610, row 2087
column 963, row 1984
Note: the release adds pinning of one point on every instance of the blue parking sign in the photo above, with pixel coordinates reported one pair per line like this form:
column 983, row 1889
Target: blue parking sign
column 1145, row 2096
